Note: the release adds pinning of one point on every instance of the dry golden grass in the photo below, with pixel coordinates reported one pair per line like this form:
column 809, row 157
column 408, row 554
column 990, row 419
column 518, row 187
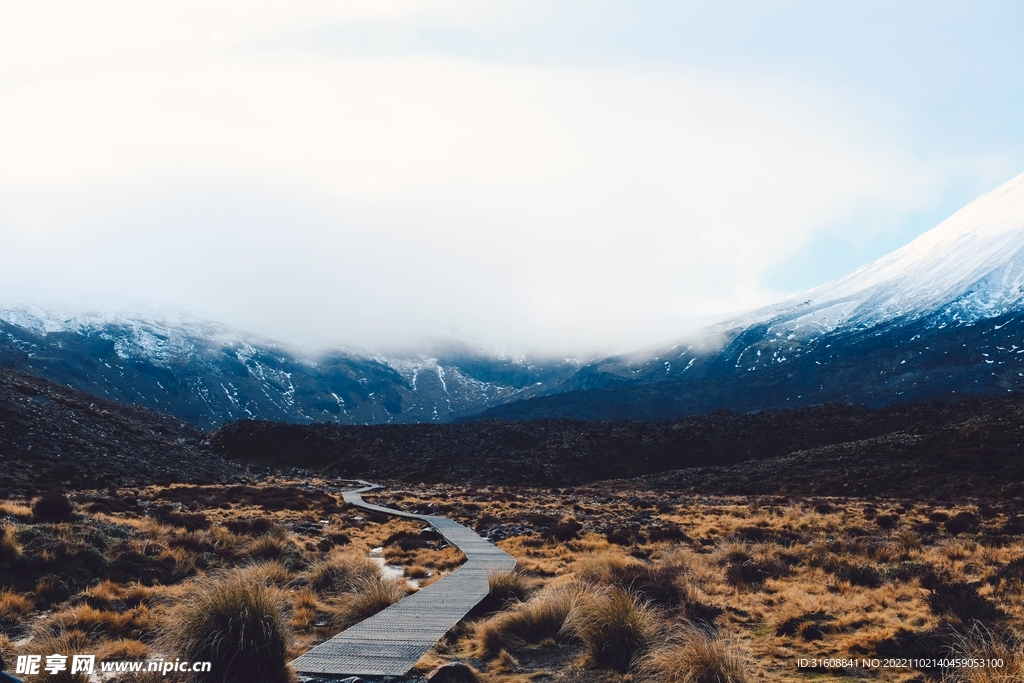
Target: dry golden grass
column 598, row 568
column 6, row 649
column 122, row 649
column 614, row 625
column 692, row 656
column 136, row 623
column 980, row 642
column 13, row 606
column 66, row 643
column 539, row 618
column 10, row 549
column 341, row 572
column 16, row 510
column 513, row 586
column 370, row 595
column 505, row 663
column 235, row 621
column 305, row 611
column 776, row 579
column 417, row 572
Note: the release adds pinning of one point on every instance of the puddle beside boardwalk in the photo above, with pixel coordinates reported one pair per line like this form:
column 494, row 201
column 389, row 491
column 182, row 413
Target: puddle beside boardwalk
column 391, row 571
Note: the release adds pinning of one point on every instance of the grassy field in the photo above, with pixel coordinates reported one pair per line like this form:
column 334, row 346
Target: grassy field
column 612, row 585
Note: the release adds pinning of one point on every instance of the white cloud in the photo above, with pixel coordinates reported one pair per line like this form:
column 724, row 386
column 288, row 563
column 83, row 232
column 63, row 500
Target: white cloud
column 369, row 200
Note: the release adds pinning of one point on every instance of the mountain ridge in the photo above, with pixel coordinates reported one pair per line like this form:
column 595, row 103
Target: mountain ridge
column 940, row 316
column 208, row 374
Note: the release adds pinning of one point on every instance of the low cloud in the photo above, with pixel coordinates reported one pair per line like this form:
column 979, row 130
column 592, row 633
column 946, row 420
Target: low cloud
column 384, row 201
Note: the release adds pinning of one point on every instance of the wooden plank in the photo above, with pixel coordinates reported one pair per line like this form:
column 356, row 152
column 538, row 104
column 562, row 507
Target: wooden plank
column 390, row 642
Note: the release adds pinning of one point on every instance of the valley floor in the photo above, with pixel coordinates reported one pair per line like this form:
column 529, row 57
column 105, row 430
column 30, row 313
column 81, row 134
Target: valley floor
column 614, row 584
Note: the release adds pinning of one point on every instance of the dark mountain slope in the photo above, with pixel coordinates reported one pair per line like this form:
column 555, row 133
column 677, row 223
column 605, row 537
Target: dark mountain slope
column 896, row 362
column 56, row 436
column 207, row 375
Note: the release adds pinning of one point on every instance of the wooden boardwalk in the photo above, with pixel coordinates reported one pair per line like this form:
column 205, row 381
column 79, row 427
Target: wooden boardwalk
column 392, row 641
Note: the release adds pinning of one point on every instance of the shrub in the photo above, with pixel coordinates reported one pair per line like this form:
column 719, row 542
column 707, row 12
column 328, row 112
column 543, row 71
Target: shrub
column 255, row 526
column 887, row 521
column 692, row 656
column 52, row 507
column 190, row 521
column 406, row 540
column 539, row 618
column 961, row 600
column 614, row 625
column 235, row 622
column 566, row 530
column 859, row 575
column 754, row 572
column 962, row 522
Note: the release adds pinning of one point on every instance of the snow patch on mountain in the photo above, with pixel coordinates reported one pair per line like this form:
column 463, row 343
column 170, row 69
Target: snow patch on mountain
column 969, row 267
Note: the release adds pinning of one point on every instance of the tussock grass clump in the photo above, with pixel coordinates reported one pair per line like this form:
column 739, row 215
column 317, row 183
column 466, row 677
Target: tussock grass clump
column 342, row 573
column 268, row 547
column 978, row 642
column 16, row 510
column 234, row 621
column 122, row 649
column 305, row 610
column 505, row 663
column 12, row 606
column 133, row 623
column 370, row 596
column 539, row 618
column 254, row 526
column 417, row 572
column 108, row 594
column 190, row 521
column 615, row 626
column 513, row 586
column 691, row 656
column 601, row 568
column 50, row 589
column 59, row 640
column 10, row 549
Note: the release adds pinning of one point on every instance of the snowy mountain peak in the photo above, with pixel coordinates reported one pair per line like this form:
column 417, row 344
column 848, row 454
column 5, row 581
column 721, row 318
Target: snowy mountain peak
column 970, row 266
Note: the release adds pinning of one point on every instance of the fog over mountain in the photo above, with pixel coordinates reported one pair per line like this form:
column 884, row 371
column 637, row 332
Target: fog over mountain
column 940, row 316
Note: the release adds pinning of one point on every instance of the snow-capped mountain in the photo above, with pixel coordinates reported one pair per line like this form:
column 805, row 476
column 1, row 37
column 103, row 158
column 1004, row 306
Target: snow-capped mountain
column 208, row 374
column 937, row 319
column 940, row 316
column 969, row 267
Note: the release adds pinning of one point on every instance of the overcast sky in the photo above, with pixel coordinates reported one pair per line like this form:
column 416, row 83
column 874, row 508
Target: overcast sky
column 538, row 176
